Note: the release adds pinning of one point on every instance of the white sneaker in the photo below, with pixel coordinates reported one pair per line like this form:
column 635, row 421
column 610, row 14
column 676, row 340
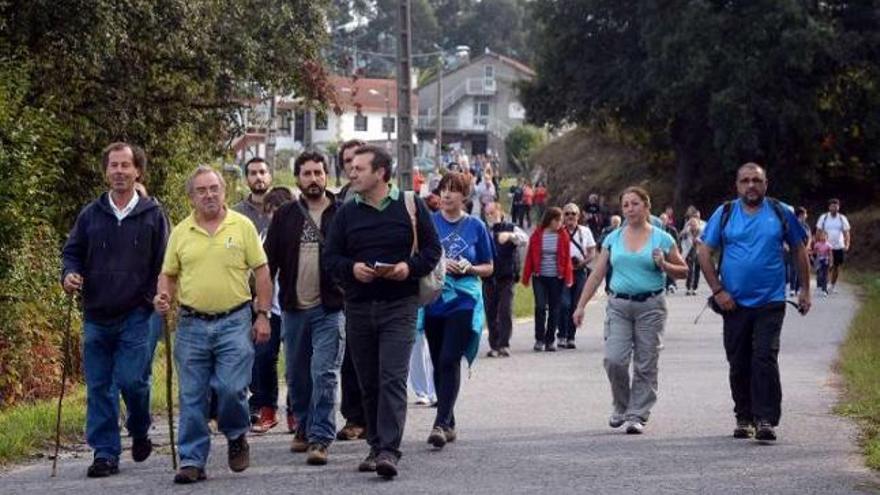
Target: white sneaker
column 421, row 400
column 634, row 427
column 833, row 290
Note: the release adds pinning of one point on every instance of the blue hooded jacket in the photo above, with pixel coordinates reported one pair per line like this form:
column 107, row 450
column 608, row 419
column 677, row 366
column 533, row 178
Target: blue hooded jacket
column 119, row 261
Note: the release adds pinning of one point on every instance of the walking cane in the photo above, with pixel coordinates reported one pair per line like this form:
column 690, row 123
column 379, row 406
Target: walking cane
column 168, row 394
column 65, row 370
column 697, row 319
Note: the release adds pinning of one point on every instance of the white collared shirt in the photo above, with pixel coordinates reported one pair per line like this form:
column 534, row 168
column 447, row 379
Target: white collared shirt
column 120, row 214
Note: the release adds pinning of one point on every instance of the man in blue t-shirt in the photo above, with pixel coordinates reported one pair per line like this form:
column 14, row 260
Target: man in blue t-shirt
column 749, row 233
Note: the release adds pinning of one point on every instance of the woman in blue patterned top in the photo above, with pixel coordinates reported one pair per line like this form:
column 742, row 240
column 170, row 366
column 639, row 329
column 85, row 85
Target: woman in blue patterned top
column 454, row 322
column 641, row 256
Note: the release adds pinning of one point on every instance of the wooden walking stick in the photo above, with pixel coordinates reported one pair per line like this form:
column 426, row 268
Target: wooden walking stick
column 65, row 370
column 168, row 394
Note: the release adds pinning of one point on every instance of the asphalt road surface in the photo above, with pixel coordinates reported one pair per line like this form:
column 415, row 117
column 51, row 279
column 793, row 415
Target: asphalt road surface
column 537, row 422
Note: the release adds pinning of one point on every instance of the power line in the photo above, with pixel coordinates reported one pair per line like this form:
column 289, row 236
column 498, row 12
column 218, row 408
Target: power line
column 387, row 55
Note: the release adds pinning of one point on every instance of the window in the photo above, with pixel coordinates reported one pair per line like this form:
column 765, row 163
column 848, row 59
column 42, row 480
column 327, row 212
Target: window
column 481, row 113
column 387, row 124
column 320, row 121
column 299, row 126
column 489, row 71
column 360, row 122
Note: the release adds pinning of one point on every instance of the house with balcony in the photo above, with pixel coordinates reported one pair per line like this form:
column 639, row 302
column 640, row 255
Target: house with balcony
column 475, row 104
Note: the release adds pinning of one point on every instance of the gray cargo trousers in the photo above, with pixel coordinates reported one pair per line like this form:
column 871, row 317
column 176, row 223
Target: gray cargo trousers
column 633, row 335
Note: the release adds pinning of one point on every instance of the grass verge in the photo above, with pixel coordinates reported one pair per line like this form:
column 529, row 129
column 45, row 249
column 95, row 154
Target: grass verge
column 859, row 362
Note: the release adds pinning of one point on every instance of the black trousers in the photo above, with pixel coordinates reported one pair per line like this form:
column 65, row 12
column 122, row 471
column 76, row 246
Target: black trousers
column 264, row 376
column 381, row 334
column 352, row 405
column 751, row 341
column 498, row 301
column 448, row 338
column 548, row 300
column 693, row 263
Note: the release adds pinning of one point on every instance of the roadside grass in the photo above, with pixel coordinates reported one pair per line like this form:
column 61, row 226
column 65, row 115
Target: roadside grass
column 859, row 362
column 523, row 301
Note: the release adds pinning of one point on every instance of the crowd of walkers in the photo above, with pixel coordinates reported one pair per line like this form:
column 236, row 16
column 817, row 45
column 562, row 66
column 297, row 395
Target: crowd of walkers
column 348, row 285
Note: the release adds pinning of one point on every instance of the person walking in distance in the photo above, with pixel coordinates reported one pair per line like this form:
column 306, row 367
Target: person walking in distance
column 210, row 256
column 583, row 249
column 690, row 239
column 259, row 180
column 548, row 269
column 311, row 302
column 641, row 256
column 351, row 405
column 454, row 322
column 498, row 289
column 824, row 259
column 749, row 291
column 836, row 227
column 119, row 232
column 369, row 248
column 264, row 377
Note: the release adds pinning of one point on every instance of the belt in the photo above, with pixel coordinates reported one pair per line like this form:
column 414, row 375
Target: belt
column 188, row 311
column 641, row 297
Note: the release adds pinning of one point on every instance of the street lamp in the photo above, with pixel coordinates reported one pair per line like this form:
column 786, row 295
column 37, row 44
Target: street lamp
column 387, row 125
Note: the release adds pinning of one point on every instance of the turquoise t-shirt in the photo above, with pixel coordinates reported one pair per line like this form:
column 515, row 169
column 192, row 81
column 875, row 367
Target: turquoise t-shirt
column 636, row 273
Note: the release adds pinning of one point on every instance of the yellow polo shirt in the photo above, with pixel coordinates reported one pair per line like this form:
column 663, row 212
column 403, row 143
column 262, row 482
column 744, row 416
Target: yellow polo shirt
column 212, row 270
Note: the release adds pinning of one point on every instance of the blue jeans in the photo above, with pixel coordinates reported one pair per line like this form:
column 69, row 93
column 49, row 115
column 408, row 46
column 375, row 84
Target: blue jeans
column 314, row 344
column 117, row 359
column 448, row 339
column 216, row 355
column 570, row 297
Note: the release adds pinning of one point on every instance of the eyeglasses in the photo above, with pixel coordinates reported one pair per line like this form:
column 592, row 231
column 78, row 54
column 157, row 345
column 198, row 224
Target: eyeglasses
column 570, row 214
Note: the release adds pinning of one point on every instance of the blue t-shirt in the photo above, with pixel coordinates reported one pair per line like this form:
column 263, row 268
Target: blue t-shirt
column 753, row 269
column 466, row 238
column 636, row 272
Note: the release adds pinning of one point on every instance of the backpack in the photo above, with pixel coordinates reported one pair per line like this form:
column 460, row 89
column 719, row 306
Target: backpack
column 431, row 285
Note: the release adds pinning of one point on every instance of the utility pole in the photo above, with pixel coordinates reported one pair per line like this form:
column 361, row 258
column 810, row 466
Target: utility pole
column 388, row 122
column 404, row 87
column 439, row 137
column 271, row 137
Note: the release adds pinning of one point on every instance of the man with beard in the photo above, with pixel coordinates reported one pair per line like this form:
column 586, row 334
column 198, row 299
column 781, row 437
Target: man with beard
column 370, row 249
column 311, row 303
column 113, row 256
column 259, row 179
column 750, row 293
column 210, row 256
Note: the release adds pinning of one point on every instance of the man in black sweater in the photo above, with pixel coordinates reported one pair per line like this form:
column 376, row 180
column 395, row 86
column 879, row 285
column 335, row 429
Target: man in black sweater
column 369, row 249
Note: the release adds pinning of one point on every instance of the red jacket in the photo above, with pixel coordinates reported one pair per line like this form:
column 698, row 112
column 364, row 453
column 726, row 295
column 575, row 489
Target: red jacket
column 563, row 257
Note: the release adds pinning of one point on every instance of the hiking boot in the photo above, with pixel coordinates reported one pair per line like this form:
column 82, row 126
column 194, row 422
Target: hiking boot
column 744, row 429
column 571, row 344
column 291, row 423
column 141, row 448
column 450, row 434
column 189, row 474
column 299, row 444
column 368, row 465
column 101, row 468
column 239, row 454
column 616, row 420
column 764, row 431
column 386, row 465
column 317, row 455
column 562, row 343
column 551, row 347
column 635, row 427
column 351, row 431
column 437, row 438
column 266, row 420
column 539, row 346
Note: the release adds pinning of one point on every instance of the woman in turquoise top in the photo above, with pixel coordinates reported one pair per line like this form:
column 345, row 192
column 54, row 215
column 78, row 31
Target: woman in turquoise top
column 453, row 323
column 641, row 255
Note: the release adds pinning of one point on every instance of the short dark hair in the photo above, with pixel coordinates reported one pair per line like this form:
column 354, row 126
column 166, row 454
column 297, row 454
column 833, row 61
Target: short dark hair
column 381, row 159
column 834, row 201
column 256, row 159
column 800, row 210
column 351, row 143
column 276, row 197
column 455, row 182
column 140, row 158
column 309, row 156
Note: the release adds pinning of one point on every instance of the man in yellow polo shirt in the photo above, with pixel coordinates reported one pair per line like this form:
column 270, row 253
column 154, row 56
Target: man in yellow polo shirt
column 207, row 263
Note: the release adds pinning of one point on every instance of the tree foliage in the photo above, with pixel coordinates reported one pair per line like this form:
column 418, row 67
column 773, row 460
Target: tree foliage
column 717, row 83
column 521, row 143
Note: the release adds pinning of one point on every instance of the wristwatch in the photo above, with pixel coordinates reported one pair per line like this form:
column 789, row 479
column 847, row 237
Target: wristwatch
column 266, row 313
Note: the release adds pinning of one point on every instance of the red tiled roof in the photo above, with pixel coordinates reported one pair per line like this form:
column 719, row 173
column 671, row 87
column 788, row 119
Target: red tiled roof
column 354, row 94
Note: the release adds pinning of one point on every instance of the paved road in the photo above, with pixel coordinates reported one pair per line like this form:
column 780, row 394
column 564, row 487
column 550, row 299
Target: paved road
column 537, row 422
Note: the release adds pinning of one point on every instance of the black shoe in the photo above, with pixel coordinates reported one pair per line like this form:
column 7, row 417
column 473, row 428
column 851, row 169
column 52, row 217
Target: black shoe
column 189, row 474
column 437, row 438
column 368, row 465
column 450, row 434
column 551, row 347
column 141, row 448
column 764, row 431
column 101, row 468
column 744, row 429
column 386, row 465
column 239, row 454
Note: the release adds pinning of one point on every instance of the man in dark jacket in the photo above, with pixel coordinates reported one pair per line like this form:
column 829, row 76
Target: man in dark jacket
column 113, row 256
column 498, row 289
column 311, row 303
column 369, row 249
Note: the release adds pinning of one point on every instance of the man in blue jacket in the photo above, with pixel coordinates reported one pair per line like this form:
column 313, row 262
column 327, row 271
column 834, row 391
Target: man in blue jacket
column 113, row 256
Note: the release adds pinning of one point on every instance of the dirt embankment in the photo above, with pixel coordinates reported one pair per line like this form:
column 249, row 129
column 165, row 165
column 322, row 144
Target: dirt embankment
column 865, row 250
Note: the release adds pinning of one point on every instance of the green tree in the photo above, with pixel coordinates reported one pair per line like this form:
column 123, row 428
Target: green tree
column 521, row 143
